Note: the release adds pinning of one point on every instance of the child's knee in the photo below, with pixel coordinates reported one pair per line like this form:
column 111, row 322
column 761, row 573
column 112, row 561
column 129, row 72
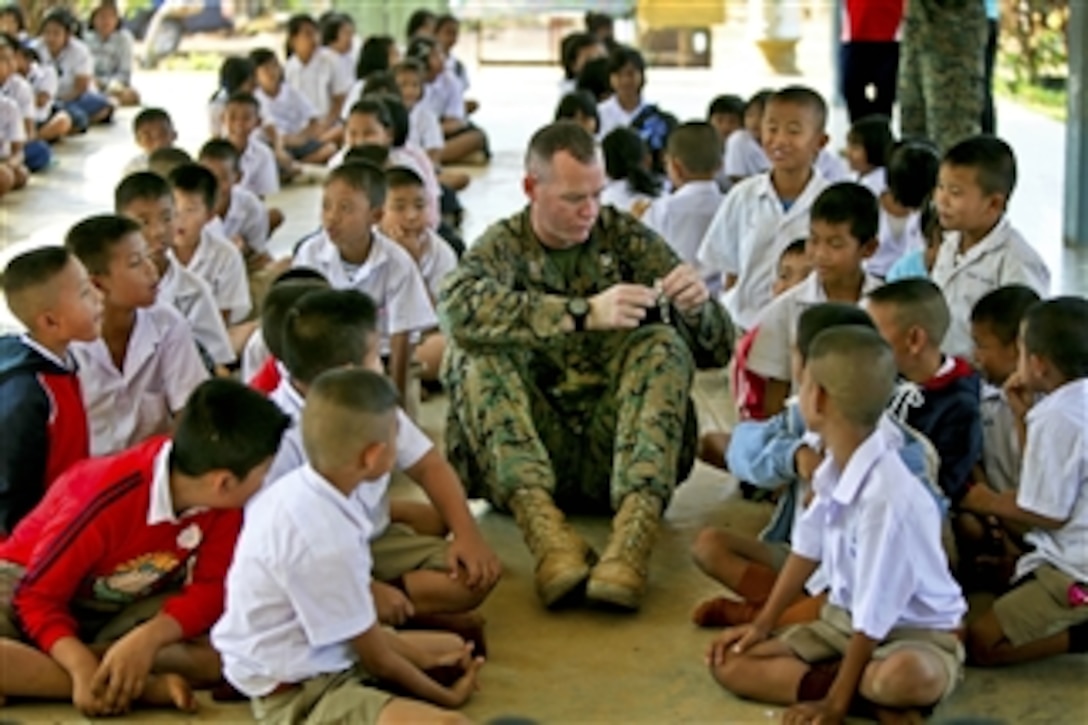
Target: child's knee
column 734, row 673
column 708, row 546
column 909, row 677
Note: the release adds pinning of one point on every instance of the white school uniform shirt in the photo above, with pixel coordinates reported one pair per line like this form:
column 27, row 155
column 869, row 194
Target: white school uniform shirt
column 1001, row 258
column 1054, row 480
column 424, row 128
column 12, row 126
column 683, row 217
column 832, row 166
column 298, row 588
column 258, row 165
column 389, row 276
column 1001, row 455
column 254, row 355
column 139, row 162
column 877, row 532
column 73, row 61
column 457, row 69
column 320, row 79
column 246, row 218
column 289, row 110
column 19, row 90
column 896, row 237
column 373, row 496
column 436, row 262
column 618, row 193
column 162, row 368
column 219, row 263
column 612, row 115
column 744, row 156
column 43, row 79
column 112, row 56
column 355, row 92
column 769, row 355
column 192, row 297
column 875, row 181
column 747, row 236
column 445, row 97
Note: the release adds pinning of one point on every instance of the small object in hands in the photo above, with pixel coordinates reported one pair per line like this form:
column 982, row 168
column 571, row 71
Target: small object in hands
column 1078, row 595
column 663, row 304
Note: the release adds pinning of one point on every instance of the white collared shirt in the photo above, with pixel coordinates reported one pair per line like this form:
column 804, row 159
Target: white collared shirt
column 43, row 79
column 1001, row 455
column 219, row 263
column 618, row 193
column 744, row 156
column 612, row 115
column 1054, row 480
column 69, row 364
column 12, row 126
column 254, row 355
column 896, row 237
column 73, row 61
column 424, row 128
column 139, row 162
column 373, row 497
column 1001, row 258
column 298, row 589
column 769, row 355
column 683, row 217
column 877, row 532
column 748, row 235
column 289, row 110
column 258, row 165
column 19, row 90
column 161, row 369
column 832, row 166
column 246, row 218
column 389, row 275
column 160, row 505
column 445, row 97
column 192, row 297
column 320, row 79
column 437, row 261
column 875, row 180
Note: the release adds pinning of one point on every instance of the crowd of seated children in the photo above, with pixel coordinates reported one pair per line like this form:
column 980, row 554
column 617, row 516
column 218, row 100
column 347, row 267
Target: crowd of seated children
column 236, row 75
column 868, row 143
column 575, row 50
column 112, row 583
column 111, row 45
column 910, row 179
column 239, row 215
column 36, row 152
column 293, row 124
column 317, row 73
column 338, row 36
column 137, row 376
column 76, row 90
column 326, row 658
column 41, row 406
column 13, row 171
column 52, row 121
column 154, row 130
column 629, row 168
column 444, row 96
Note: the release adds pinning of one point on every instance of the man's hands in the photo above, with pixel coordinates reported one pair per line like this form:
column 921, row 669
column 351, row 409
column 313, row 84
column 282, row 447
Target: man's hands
column 472, row 561
column 685, row 289
column 624, row 306
column 393, row 606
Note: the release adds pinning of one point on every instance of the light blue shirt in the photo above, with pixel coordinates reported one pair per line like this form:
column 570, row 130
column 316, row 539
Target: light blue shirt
column 910, row 266
column 993, row 8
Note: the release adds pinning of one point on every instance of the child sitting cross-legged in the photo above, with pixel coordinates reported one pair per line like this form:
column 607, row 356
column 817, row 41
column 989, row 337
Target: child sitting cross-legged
column 888, row 635
column 302, row 634
column 109, row 586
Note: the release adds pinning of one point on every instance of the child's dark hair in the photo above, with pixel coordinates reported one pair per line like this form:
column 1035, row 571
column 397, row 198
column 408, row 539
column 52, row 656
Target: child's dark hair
column 625, row 158
column 93, row 238
column 234, row 73
column 445, row 19
column 246, row 99
column 281, row 297
column 695, row 146
column 804, row 97
column 372, row 106
column 577, row 103
column 149, row 116
column 420, row 48
column 1054, row 330
column 368, row 153
column 327, row 329
column 758, row 100
column 195, row 179
column 874, row 135
column 726, row 105
column 62, row 17
column 594, row 79
column 623, row 56
column 220, row 149
column 28, row 51
column 1003, row 309
column 163, row 161
column 226, row 425
column 399, row 119
column 399, row 177
column 850, row 203
column 295, row 25
column 795, row 248
column 992, row 159
column 15, row 12
column 140, row 186
column 382, row 82
column 916, row 303
column 260, row 56
column 596, row 22
column 363, row 177
column 299, row 273
column 33, row 269
column 824, row 316
column 417, row 21
column 571, row 47
column 374, row 55
column 912, row 172
column 408, row 65
column 331, row 24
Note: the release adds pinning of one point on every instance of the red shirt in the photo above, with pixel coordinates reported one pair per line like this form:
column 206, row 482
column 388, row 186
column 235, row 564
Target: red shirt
column 267, row 379
column 873, row 20
column 105, row 535
column 749, row 389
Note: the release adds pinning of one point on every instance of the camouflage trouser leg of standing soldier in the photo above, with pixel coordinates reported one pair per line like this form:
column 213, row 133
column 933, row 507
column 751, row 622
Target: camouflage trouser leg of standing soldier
column 503, row 433
column 942, row 70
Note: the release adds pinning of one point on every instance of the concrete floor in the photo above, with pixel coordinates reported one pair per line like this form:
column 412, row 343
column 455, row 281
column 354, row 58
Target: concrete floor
column 575, row 666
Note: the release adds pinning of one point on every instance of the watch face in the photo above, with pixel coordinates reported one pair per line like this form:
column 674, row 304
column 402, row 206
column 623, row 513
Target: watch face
column 578, row 307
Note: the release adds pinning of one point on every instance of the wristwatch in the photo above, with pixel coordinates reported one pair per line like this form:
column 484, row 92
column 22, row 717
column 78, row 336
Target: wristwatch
column 578, row 309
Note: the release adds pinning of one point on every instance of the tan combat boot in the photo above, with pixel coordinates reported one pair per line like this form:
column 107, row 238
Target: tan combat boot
column 561, row 554
column 620, row 578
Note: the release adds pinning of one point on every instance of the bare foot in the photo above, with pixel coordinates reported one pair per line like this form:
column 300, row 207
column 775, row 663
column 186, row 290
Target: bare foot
column 169, row 691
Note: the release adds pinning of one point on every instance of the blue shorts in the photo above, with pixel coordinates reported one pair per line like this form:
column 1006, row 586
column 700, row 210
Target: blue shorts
column 84, row 108
column 304, row 149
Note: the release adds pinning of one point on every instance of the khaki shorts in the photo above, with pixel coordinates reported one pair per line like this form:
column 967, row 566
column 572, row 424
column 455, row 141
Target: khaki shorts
column 343, row 697
column 1038, row 607
column 401, row 550
column 828, row 637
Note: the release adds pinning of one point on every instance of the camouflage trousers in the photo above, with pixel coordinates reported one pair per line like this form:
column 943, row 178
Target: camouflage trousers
column 637, row 432
column 942, row 70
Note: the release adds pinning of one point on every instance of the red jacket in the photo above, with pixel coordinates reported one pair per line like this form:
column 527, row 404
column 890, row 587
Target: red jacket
column 873, row 20
column 89, row 542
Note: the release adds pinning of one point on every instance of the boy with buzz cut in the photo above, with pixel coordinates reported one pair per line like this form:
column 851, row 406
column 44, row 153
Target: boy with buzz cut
column 147, row 198
column 239, row 214
column 1045, row 614
column 981, row 251
column 331, row 329
column 764, row 213
column 41, row 406
column 142, row 369
column 154, row 130
column 353, row 253
column 119, row 571
column 301, row 635
column 888, row 633
column 842, row 235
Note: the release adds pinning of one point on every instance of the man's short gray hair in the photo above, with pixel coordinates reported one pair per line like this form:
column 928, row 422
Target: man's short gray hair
column 560, row 136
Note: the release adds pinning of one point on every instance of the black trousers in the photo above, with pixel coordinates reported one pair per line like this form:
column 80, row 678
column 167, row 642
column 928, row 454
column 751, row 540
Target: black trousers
column 864, row 64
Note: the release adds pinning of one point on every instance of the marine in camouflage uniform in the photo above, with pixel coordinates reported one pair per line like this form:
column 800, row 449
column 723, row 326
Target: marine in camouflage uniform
column 942, row 70
column 595, row 420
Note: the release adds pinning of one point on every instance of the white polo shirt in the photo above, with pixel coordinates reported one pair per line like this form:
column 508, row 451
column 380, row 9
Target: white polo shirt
column 613, row 116
column 832, row 166
column 373, row 497
column 254, row 355
column 12, row 126
column 43, row 79
column 258, row 165
column 320, row 79
column 424, row 128
column 219, row 263
column 445, row 97
column 437, row 260
column 73, row 61
column 161, row 369
column 1001, row 455
column 289, row 110
column 683, row 217
column 246, row 218
column 747, row 236
column 769, row 355
column 896, row 237
column 744, row 156
column 1054, row 480
column 618, row 193
column 877, row 532
column 192, row 297
column 298, row 589
column 389, row 275
column 19, row 90
column 875, row 181
column 1001, row 258
column 139, row 162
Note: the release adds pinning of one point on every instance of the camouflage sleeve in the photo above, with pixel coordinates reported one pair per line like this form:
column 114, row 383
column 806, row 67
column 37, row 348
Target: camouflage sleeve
column 480, row 305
